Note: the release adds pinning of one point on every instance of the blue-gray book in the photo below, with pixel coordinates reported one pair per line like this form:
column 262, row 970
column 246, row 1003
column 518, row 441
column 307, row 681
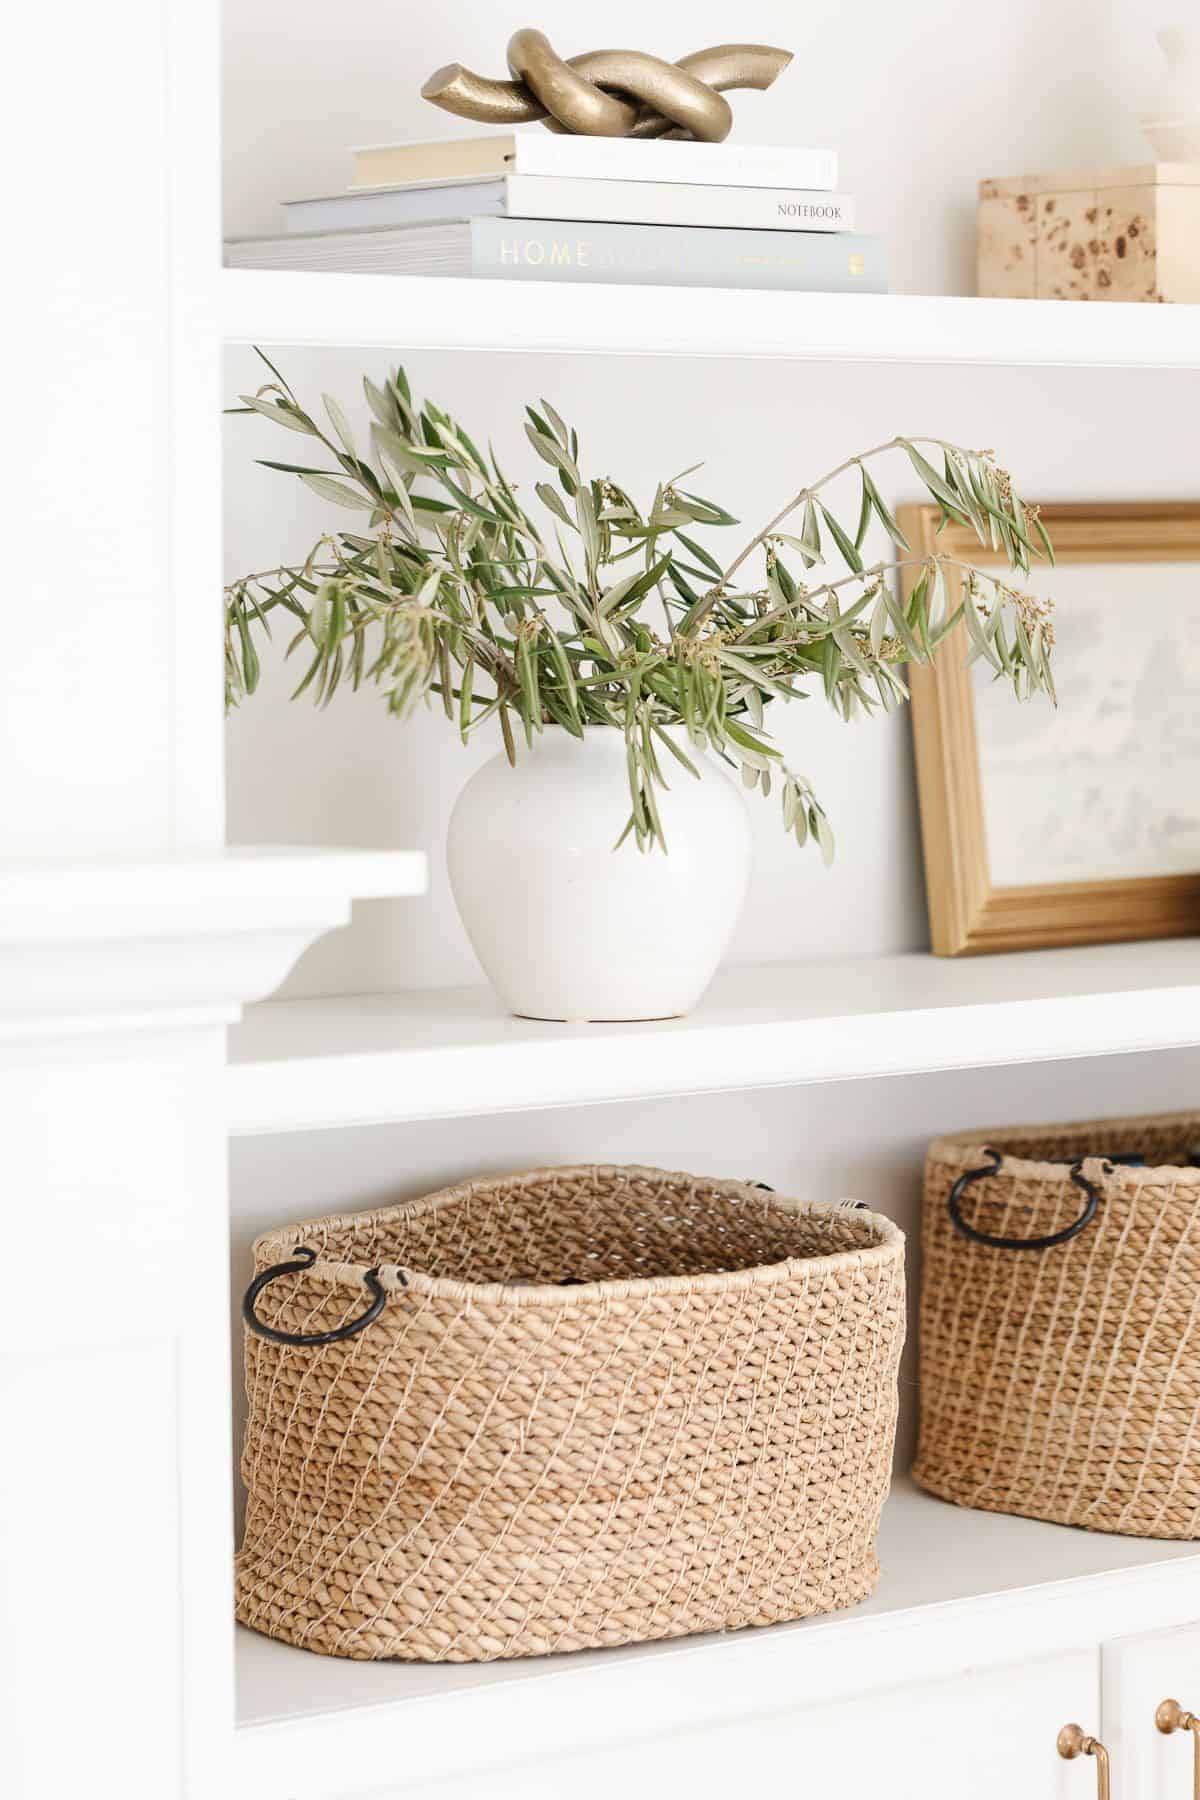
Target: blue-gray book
column 677, row 255
column 566, row 250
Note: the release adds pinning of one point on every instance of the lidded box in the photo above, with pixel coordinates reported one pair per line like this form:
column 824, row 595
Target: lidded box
column 1100, row 234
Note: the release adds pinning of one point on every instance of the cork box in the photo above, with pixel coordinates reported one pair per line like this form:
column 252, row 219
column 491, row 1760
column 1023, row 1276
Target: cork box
column 1107, row 234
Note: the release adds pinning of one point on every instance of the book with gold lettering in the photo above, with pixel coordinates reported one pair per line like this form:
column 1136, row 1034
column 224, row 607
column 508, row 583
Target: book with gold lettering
column 568, row 250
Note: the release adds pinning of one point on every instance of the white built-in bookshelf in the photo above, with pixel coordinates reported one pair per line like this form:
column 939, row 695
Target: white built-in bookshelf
column 130, row 942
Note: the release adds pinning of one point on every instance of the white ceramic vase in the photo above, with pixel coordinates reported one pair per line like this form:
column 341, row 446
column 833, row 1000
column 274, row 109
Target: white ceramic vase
column 1173, row 125
column 566, row 926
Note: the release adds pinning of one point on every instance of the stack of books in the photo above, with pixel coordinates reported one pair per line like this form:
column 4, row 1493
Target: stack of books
column 536, row 206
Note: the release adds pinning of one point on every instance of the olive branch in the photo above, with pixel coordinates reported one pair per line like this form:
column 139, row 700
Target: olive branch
column 451, row 593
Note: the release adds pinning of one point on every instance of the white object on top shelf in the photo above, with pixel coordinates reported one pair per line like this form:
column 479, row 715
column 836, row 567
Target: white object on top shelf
column 953, row 1581
column 1173, row 125
column 403, row 313
column 440, row 1053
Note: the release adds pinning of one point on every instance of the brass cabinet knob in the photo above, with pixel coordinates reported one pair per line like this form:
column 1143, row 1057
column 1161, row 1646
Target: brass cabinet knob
column 1073, row 1741
column 1169, row 1716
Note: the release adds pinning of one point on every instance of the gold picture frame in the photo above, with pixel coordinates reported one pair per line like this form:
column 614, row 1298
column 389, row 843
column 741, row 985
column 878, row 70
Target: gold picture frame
column 968, row 915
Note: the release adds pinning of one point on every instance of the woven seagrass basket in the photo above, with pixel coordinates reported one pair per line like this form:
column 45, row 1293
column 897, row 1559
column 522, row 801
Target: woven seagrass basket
column 591, row 1405
column 1060, row 1324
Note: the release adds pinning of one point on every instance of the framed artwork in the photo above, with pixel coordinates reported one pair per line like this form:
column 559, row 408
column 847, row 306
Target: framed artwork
column 1078, row 824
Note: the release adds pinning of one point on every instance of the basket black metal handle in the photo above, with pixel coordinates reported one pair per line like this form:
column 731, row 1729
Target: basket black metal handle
column 954, row 1207
column 304, row 1258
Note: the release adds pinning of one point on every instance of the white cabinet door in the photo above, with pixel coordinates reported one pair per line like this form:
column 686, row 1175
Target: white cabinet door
column 1138, row 1672
column 989, row 1733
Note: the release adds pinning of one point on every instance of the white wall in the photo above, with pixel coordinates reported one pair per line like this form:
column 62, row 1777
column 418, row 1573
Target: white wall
column 921, row 100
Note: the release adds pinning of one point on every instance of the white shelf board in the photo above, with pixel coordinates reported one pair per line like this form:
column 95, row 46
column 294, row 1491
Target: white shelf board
column 952, row 1581
column 444, row 1053
column 403, row 312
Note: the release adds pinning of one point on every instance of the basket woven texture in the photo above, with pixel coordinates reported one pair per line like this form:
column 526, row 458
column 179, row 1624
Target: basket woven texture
column 1064, row 1384
column 698, row 1436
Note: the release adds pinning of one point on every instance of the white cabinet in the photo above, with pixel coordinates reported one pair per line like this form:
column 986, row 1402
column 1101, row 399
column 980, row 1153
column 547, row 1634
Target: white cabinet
column 989, row 1733
column 1138, row 1673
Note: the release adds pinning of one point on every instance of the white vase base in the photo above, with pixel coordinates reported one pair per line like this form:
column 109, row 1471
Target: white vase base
column 610, row 1019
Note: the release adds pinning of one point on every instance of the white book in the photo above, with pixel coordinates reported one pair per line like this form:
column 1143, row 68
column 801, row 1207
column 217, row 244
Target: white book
column 404, row 203
column 554, row 197
column 669, row 159
column 678, row 203
column 535, row 151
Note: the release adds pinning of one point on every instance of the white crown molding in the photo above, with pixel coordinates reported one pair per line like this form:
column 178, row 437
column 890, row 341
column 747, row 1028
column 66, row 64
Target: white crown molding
column 140, row 943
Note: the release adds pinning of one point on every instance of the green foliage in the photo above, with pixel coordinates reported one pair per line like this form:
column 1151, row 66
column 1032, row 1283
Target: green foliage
column 447, row 591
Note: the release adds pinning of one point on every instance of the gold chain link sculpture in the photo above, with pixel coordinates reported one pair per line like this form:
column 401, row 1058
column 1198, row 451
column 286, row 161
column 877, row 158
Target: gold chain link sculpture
column 609, row 93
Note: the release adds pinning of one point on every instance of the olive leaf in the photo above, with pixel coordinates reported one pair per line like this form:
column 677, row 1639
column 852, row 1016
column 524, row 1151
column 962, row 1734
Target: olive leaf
column 340, row 492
